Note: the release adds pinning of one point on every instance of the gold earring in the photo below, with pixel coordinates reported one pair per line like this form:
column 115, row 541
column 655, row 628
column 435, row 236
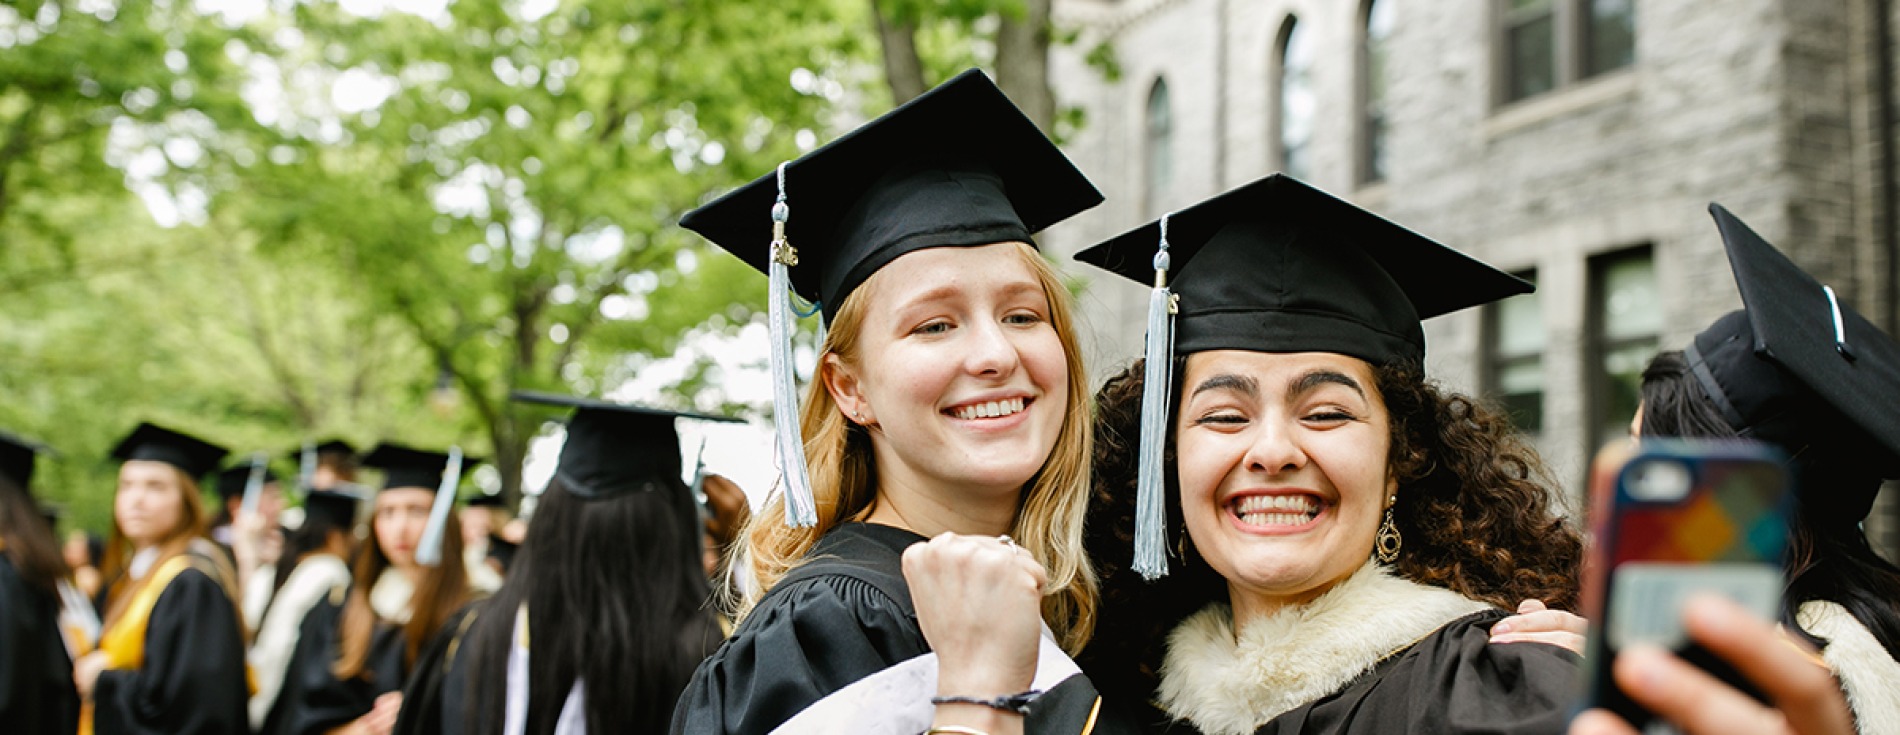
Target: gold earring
column 1387, row 544
column 1180, row 544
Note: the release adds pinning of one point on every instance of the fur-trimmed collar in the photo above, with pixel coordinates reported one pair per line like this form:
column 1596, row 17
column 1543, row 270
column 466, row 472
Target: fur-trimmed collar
column 1868, row 675
column 389, row 597
column 1231, row 685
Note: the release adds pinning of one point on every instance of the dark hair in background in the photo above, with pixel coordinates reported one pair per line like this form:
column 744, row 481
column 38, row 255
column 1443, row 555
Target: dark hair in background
column 312, row 536
column 1828, row 558
column 28, row 540
column 1475, row 508
column 442, row 591
column 617, row 597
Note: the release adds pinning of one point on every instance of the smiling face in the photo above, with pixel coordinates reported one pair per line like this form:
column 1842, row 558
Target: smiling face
column 1283, row 468
column 150, row 504
column 960, row 375
column 401, row 514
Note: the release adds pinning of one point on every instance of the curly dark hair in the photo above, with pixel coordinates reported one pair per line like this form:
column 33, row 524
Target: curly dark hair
column 1475, row 506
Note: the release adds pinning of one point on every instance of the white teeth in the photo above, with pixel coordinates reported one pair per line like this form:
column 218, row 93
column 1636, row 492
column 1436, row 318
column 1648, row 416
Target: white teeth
column 1275, row 519
column 990, row 409
column 1297, row 504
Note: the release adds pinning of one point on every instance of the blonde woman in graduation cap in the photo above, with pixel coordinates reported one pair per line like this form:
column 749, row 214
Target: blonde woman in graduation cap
column 171, row 655
column 1341, row 532
column 949, row 398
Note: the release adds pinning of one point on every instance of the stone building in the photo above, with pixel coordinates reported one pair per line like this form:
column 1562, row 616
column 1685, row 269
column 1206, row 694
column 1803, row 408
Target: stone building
column 1574, row 142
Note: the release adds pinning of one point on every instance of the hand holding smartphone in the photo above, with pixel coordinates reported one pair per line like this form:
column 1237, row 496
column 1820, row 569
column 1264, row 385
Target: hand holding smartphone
column 1669, row 519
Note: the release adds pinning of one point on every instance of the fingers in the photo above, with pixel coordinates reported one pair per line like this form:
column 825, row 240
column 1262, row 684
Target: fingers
column 1570, row 641
column 1599, row 722
column 1803, row 690
column 1531, row 606
column 1688, row 696
column 1539, row 621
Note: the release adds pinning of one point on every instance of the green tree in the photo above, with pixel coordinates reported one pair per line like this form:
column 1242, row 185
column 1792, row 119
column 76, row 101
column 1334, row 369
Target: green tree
column 506, row 180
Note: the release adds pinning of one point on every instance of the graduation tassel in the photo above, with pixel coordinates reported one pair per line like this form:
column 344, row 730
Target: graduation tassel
column 307, row 465
column 1151, row 559
column 800, row 509
column 253, row 487
column 429, row 550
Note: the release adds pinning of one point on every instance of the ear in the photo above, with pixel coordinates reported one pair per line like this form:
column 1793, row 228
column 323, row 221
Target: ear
column 846, row 389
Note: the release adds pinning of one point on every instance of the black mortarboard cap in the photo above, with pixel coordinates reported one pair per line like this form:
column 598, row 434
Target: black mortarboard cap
column 231, row 480
column 17, row 456
column 150, row 442
column 410, row 467
column 485, row 500
column 613, row 449
column 957, row 166
column 1280, row 266
column 328, row 446
column 1796, row 361
column 335, row 508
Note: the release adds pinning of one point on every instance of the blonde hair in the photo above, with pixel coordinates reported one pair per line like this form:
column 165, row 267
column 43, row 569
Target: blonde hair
column 843, row 477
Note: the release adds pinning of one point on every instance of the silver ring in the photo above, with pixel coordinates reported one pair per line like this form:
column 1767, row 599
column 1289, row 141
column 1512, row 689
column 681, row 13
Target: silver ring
column 1009, row 542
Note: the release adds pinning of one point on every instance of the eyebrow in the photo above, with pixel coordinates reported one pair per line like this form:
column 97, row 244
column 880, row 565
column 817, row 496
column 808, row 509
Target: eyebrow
column 1243, row 384
column 1313, row 379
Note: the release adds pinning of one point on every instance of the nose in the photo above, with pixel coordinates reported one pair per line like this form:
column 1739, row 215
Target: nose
column 1275, row 449
column 990, row 352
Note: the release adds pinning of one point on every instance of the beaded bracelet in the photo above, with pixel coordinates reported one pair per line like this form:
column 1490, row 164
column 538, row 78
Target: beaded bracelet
column 1017, row 703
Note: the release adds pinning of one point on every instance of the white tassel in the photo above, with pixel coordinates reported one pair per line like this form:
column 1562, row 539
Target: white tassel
column 429, row 549
column 1151, row 558
column 800, row 509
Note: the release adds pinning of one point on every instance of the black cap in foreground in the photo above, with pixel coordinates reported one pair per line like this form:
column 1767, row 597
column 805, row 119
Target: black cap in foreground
column 1280, row 266
column 613, row 449
column 1800, row 367
column 408, row 467
column 153, row 443
column 959, row 166
column 17, row 458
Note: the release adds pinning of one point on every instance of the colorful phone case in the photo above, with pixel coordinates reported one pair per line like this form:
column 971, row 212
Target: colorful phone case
column 1725, row 532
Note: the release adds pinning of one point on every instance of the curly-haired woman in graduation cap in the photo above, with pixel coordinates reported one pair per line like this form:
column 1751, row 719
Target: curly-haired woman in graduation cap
column 1799, row 368
column 171, row 654
column 1342, row 532
column 949, row 397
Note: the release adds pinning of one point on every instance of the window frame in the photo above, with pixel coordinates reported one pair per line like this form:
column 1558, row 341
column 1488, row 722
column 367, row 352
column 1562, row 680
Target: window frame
column 1570, row 34
column 1598, row 345
column 1493, row 362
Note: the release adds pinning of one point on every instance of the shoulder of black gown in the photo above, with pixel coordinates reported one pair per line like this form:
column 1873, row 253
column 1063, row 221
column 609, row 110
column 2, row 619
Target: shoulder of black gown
column 842, row 615
column 1453, row 681
column 36, row 675
column 192, row 680
column 433, row 697
column 314, row 699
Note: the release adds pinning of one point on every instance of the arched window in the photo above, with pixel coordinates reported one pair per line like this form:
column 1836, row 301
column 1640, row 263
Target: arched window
column 1372, row 96
column 1160, row 148
column 1296, row 99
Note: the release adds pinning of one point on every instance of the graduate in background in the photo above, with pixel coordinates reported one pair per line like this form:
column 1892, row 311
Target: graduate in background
column 482, row 517
column 251, row 535
column 355, row 650
column 171, row 657
column 36, row 670
column 605, row 613
column 315, row 568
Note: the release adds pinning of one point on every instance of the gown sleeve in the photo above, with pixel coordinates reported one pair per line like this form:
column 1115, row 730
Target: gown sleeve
column 433, row 698
column 193, row 678
column 36, row 675
column 1453, row 682
column 806, row 640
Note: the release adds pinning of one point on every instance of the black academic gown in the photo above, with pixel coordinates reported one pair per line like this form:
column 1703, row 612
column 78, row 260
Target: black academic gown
column 842, row 616
column 434, row 698
column 193, row 678
column 1455, row 681
column 313, row 700
column 36, row 674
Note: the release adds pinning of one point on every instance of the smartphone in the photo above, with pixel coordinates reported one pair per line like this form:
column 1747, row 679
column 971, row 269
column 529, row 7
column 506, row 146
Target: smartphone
column 1669, row 518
